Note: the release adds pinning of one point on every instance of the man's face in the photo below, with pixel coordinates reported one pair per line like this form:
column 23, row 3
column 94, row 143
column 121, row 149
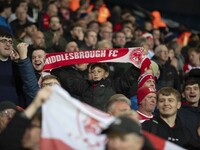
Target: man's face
column 156, row 34
column 52, row 10
column 77, row 31
column 38, row 39
column 194, row 58
column 150, row 42
column 149, row 83
column 6, row 46
column 5, row 117
column 8, row 11
column 55, row 23
column 126, row 142
column 119, row 107
column 98, row 73
column 21, row 14
column 38, row 60
column 120, row 39
column 72, row 47
column 31, row 138
column 149, row 102
column 128, row 32
column 106, row 33
column 95, row 27
column 30, row 30
column 91, row 39
column 163, row 54
column 168, row 105
column 192, row 93
column 24, row 5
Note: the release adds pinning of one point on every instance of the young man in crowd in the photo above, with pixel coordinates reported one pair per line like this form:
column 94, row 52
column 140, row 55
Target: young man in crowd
column 90, row 40
column 38, row 61
column 191, row 93
column 168, row 124
column 9, row 77
column 190, row 110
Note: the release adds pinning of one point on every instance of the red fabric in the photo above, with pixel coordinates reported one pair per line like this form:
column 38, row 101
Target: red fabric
column 187, row 68
column 20, row 108
column 145, row 64
column 143, row 117
column 53, row 144
column 117, row 27
column 133, row 55
column 157, row 142
column 46, row 19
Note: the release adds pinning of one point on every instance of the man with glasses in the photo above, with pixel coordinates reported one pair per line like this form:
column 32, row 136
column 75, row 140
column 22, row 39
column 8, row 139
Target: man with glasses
column 7, row 74
column 7, row 111
column 16, row 70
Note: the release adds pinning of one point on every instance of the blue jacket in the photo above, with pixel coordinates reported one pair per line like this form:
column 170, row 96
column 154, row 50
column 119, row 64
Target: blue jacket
column 30, row 84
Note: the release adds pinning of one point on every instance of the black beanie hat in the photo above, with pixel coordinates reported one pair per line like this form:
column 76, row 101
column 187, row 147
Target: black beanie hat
column 7, row 105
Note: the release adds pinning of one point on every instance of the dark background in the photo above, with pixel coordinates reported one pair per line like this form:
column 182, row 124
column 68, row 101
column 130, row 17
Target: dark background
column 186, row 12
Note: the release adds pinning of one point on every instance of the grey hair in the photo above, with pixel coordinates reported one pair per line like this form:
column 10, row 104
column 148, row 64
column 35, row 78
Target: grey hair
column 116, row 98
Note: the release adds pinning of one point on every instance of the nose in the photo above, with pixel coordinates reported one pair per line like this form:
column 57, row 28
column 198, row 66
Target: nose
column 95, row 73
column 36, row 58
column 165, row 102
column 191, row 90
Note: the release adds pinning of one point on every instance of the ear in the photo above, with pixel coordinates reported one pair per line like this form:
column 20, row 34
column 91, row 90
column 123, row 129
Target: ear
column 114, row 40
column 179, row 105
column 183, row 95
column 106, row 74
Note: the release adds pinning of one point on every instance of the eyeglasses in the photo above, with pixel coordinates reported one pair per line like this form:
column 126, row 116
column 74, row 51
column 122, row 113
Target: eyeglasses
column 5, row 41
column 7, row 113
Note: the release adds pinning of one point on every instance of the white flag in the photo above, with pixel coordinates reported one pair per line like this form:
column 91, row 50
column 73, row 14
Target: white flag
column 69, row 124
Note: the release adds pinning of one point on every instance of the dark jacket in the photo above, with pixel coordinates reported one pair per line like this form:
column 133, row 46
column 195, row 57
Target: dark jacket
column 11, row 83
column 67, row 72
column 190, row 116
column 97, row 93
column 179, row 134
column 30, row 84
column 168, row 76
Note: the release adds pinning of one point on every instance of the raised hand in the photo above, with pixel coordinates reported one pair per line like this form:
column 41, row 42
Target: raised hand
column 42, row 96
column 14, row 56
column 22, row 49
